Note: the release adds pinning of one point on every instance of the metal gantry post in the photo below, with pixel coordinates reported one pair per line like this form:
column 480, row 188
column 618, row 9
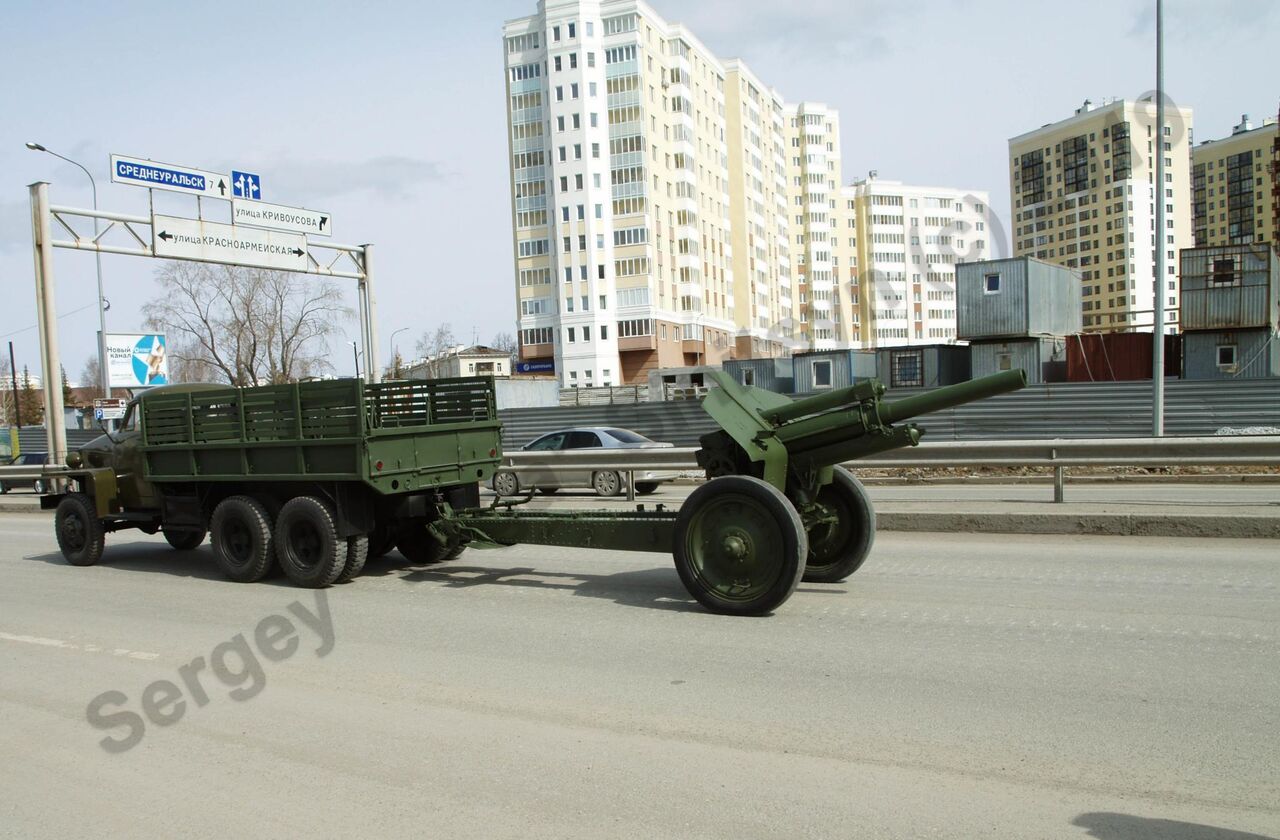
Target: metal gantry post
column 47, row 318
column 370, row 327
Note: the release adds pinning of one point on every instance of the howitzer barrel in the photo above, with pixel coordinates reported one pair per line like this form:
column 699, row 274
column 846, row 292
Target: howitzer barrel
column 953, row 395
column 838, row 398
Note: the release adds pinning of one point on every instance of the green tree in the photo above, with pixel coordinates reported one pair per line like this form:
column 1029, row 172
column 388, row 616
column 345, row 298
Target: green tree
column 32, row 409
column 68, row 397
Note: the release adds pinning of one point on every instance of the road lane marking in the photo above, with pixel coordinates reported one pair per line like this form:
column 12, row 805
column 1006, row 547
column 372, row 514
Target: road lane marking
column 59, row 643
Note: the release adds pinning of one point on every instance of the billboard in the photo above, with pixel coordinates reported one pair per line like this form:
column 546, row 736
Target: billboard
column 137, row 360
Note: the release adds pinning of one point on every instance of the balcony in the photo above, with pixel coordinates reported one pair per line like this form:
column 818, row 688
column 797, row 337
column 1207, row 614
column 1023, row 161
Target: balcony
column 637, row 342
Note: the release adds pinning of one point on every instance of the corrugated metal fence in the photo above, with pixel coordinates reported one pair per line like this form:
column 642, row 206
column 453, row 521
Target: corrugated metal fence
column 32, row 438
column 1060, row 409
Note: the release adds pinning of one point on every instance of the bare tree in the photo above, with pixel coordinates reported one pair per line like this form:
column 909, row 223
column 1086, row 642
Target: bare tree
column 505, row 342
column 91, row 378
column 433, row 346
column 245, row 325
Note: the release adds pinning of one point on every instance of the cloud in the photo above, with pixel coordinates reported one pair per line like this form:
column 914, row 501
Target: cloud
column 1195, row 20
column 389, row 176
column 856, row 30
column 15, row 225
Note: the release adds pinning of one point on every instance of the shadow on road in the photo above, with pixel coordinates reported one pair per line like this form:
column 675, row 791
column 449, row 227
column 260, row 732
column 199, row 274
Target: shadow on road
column 658, row 589
column 1111, row 826
column 159, row 559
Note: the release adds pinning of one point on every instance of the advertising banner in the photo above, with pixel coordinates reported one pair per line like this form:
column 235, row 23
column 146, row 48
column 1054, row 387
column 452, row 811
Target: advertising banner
column 136, row 360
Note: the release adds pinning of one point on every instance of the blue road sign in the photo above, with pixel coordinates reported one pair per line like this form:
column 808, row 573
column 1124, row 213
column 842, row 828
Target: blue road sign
column 246, row 185
column 140, row 172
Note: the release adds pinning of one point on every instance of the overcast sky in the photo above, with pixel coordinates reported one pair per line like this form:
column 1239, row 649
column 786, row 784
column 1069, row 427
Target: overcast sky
column 390, row 116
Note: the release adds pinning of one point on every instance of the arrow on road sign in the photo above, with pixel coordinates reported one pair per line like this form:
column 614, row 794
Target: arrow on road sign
column 165, row 235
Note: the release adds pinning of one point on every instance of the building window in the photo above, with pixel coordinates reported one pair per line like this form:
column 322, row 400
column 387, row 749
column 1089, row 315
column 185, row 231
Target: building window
column 1226, row 356
column 1224, row 272
column 991, row 284
column 821, row 370
column 906, row 369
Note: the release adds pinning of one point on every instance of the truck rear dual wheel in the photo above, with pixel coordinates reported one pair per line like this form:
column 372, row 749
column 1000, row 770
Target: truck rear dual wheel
column 421, row 549
column 307, row 543
column 838, row 547
column 243, row 543
column 357, row 554
column 81, row 536
column 740, row 546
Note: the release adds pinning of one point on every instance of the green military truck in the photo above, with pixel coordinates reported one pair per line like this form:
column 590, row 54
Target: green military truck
column 318, row 476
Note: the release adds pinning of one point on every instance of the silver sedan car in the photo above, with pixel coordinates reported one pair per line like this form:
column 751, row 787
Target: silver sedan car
column 605, row 482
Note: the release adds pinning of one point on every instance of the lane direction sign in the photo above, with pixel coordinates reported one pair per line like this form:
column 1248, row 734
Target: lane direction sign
column 139, row 172
column 280, row 217
column 191, row 239
column 246, row 185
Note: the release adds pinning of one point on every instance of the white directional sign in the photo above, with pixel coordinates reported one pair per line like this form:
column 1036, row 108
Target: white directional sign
column 189, row 239
column 165, row 176
column 279, row 217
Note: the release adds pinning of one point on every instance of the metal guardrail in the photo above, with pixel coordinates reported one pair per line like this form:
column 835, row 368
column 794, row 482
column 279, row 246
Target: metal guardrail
column 1059, row 454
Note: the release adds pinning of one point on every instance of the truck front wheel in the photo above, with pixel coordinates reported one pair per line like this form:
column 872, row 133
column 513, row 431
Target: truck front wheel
column 307, row 543
column 81, row 536
column 242, row 540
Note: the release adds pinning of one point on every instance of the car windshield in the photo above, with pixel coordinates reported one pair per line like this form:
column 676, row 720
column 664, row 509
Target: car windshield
column 626, row 437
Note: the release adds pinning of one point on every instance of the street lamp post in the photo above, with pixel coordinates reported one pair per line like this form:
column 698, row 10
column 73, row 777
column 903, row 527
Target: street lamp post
column 395, row 333
column 103, row 373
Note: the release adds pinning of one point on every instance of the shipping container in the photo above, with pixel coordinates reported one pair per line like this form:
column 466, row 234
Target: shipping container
column 1119, row 357
column 924, row 366
column 821, row 370
column 1016, row 298
column 771, row 374
column 1230, row 287
column 1231, row 354
column 1044, row 358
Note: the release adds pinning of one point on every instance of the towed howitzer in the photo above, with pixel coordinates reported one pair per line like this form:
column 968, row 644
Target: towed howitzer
column 777, row 509
column 786, row 441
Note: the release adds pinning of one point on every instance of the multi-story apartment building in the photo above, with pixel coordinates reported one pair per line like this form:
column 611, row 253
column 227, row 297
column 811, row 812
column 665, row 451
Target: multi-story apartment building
column 1233, row 186
column 897, row 249
column 1084, row 195
column 813, row 179
column 620, row 192
column 767, row 322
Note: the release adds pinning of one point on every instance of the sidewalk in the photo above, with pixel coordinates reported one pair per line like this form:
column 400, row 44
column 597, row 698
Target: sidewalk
column 1116, row 509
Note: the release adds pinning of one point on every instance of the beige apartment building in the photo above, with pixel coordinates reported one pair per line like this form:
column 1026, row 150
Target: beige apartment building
column 1233, row 182
column 897, row 246
column 764, row 291
column 813, row 180
column 1084, row 196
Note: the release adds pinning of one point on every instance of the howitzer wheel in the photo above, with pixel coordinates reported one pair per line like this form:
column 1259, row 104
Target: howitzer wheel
column 740, row 546
column 840, row 542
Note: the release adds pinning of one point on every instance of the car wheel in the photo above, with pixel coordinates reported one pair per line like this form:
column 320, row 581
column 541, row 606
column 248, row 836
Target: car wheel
column 548, row 491
column 506, row 484
column 607, row 483
column 644, row 488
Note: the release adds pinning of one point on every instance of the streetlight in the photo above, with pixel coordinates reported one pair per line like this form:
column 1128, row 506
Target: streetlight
column 393, row 343
column 97, row 255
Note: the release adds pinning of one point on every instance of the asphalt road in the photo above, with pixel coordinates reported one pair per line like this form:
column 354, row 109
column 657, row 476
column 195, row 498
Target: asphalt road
column 958, row 686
